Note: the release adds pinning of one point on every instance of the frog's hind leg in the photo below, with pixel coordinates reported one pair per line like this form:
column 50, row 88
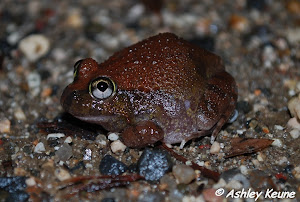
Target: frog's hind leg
column 217, row 128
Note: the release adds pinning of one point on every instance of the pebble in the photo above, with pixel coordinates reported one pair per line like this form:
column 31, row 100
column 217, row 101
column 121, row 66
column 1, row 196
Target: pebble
column 167, row 183
column 117, row 146
column 293, row 35
column 55, row 135
column 209, row 195
column 256, row 4
column 101, row 140
column 113, row 136
column 192, row 198
column 154, row 163
column 238, row 23
column 244, row 170
column 87, row 155
column 234, row 184
column 75, row 19
column 295, row 133
column 269, row 56
column 151, row 197
column 34, row 46
column 68, row 140
column 19, row 114
column 111, row 166
column 282, row 160
column 278, row 127
column 59, row 54
column 39, row 148
column 277, row 143
column 215, row 148
column 34, row 83
column 4, row 126
column 62, row 174
column 296, row 172
column 293, row 123
column 184, row 174
column 63, row 153
column 294, row 106
column 293, row 6
column 15, row 188
column 260, row 180
column 243, row 106
column 30, row 182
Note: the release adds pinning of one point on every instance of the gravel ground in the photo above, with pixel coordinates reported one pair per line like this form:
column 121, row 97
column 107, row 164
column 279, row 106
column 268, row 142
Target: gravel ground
column 259, row 41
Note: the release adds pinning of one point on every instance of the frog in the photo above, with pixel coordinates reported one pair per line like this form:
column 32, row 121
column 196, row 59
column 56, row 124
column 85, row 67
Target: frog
column 161, row 89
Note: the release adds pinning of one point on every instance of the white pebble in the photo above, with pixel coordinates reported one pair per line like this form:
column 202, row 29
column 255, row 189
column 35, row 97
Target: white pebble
column 34, row 83
column 296, row 172
column 244, row 170
column 113, row 136
column 101, row 140
column 188, row 163
column 295, row 133
column 215, row 148
column 88, row 165
column 240, row 132
column 68, row 140
column 293, row 123
column 117, row 146
column 278, row 127
column 30, row 182
column 55, row 135
column 62, row 174
column 277, row 143
column 39, row 148
column 34, row 46
column 19, row 114
column 283, row 160
column 260, row 157
column 183, row 173
column 234, row 184
column 4, row 126
column 294, row 106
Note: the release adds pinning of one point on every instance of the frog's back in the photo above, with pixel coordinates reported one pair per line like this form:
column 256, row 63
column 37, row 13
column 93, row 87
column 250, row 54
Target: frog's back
column 163, row 62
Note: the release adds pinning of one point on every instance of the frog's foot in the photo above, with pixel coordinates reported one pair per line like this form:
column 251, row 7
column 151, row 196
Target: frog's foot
column 142, row 134
column 193, row 136
column 217, row 128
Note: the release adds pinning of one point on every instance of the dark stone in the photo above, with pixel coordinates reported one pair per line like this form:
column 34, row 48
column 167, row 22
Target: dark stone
column 154, row 163
column 18, row 196
column 256, row 4
column 243, row 106
column 132, row 168
column 111, row 166
column 45, row 74
column 266, row 91
column 53, row 142
column 108, row 200
column 12, row 184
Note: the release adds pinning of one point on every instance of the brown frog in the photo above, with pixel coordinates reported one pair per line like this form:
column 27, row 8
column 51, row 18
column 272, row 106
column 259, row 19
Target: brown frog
column 160, row 89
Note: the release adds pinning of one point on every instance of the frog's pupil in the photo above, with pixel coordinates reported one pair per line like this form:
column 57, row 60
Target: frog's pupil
column 102, row 86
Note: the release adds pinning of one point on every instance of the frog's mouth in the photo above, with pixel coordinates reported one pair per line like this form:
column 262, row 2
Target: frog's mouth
column 112, row 123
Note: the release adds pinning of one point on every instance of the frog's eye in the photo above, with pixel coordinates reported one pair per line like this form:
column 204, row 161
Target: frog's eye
column 76, row 65
column 102, row 88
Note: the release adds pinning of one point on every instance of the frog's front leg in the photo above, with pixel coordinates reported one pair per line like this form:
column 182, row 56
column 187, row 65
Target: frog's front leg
column 143, row 134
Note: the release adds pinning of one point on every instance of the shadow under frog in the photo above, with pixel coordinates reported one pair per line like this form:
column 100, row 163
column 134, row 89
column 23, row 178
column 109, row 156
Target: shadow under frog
column 160, row 89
